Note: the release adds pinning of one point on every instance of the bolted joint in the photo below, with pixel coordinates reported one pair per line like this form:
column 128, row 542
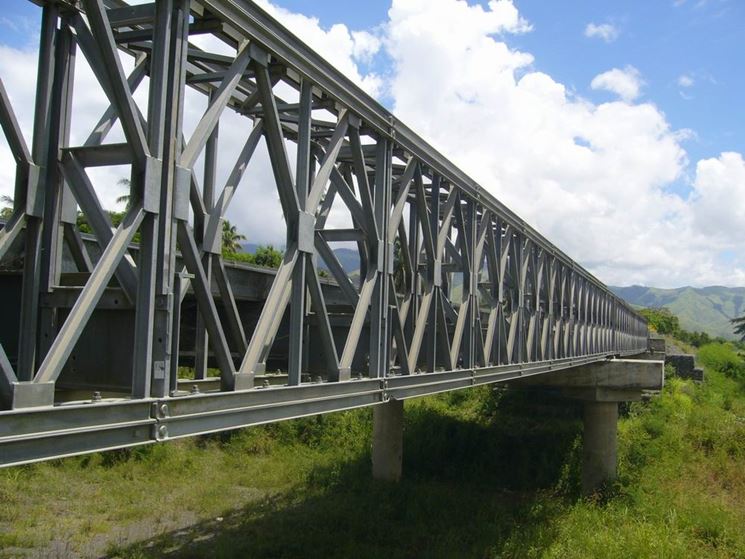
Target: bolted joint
column 159, row 370
column 380, row 257
column 151, row 182
column 306, row 232
column 354, row 121
column 437, row 273
column 258, row 54
column 212, row 243
column 182, row 185
column 30, row 395
column 34, row 197
column 245, row 381
column 160, row 432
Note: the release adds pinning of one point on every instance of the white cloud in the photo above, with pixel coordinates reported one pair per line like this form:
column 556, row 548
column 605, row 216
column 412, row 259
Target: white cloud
column 719, row 198
column 685, row 80
column 595, row 178
column 605, row 31
column 340, row 46
column 366, row 45
column 625, row 83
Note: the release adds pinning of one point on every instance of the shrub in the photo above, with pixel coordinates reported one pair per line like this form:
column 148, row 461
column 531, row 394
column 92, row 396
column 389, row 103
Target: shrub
column 266, row 256
column 722, row 357
column 662, row 320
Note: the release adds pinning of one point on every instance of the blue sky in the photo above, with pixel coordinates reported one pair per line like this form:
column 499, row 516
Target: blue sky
column 663, row 39
column 615, row 128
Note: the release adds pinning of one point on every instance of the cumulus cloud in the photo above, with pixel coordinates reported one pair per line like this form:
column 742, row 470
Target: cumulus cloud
column 626, row 83
column 594, row 178
column 366, row 45
column 576, row 170
column 719, row 198
column 605, row 31
column 343, row 48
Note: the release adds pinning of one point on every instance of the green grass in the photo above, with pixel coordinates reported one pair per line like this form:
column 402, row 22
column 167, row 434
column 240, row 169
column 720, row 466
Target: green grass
column 487, row 474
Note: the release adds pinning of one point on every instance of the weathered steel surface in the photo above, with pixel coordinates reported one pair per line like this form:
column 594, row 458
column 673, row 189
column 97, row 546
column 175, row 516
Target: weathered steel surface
column 454, row 289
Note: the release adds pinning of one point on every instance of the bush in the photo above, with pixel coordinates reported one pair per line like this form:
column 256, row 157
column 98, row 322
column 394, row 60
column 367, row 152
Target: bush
column 662, row 320
column 722, row 357
column 266, row 256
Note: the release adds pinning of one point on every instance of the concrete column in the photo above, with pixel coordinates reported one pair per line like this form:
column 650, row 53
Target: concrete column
column 600, row 444
column 387, row 443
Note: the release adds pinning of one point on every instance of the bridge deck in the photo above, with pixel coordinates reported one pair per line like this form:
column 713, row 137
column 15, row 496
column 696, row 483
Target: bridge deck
column 451, row 282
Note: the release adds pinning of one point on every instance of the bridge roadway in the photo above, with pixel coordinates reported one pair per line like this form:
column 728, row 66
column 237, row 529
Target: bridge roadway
column 454, row 290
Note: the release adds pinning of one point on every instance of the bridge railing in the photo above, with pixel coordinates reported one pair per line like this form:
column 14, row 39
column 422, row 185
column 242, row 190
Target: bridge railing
column 451, row 283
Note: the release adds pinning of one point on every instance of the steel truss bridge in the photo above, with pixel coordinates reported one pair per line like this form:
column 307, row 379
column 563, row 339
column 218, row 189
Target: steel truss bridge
column 454, row 289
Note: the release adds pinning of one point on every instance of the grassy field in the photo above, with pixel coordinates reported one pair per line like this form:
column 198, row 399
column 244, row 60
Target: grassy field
column 487, row 474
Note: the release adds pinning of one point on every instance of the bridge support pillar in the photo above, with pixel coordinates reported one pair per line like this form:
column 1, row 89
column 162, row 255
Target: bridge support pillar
column 600, row 444
column 387, row 441
column 600, row 387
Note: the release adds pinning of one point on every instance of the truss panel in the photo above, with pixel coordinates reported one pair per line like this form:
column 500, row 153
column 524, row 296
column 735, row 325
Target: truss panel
column 453, row 289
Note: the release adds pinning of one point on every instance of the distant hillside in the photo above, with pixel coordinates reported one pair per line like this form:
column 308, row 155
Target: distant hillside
column 705, row 309
column 348, row 258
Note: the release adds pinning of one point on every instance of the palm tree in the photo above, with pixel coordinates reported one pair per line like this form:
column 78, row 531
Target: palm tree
column 124, row 198
column 231, row 239
column 739, row 327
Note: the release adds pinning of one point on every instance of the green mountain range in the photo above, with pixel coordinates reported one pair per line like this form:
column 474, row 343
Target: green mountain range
column 704, row 309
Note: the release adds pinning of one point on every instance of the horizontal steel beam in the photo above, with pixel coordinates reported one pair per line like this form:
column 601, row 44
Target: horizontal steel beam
column 79, row 428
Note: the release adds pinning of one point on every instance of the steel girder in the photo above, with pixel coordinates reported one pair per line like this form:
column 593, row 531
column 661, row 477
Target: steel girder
column 454, row 289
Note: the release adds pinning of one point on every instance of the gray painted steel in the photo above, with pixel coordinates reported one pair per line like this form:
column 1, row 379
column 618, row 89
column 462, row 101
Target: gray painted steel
column 454, row 289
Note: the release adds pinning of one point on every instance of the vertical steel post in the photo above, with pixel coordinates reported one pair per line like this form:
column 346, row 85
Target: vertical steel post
column 154, row 304
column 35, row 198
column 383, row 259
column 469, row 339
column 59, row 134
column 166, row 253
column 434, row 277
column 302, row 186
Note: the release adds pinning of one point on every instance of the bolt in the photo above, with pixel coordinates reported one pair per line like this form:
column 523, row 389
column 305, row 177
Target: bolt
column 265, row 384
column 96, row 396
column 163, row 432
column 317, row 379
column 194, row 389
column 163, row 410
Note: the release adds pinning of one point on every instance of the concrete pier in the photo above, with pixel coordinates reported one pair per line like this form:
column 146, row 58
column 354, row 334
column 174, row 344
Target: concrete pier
column 600, row 387
column 600, row 444
column 387, row 443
